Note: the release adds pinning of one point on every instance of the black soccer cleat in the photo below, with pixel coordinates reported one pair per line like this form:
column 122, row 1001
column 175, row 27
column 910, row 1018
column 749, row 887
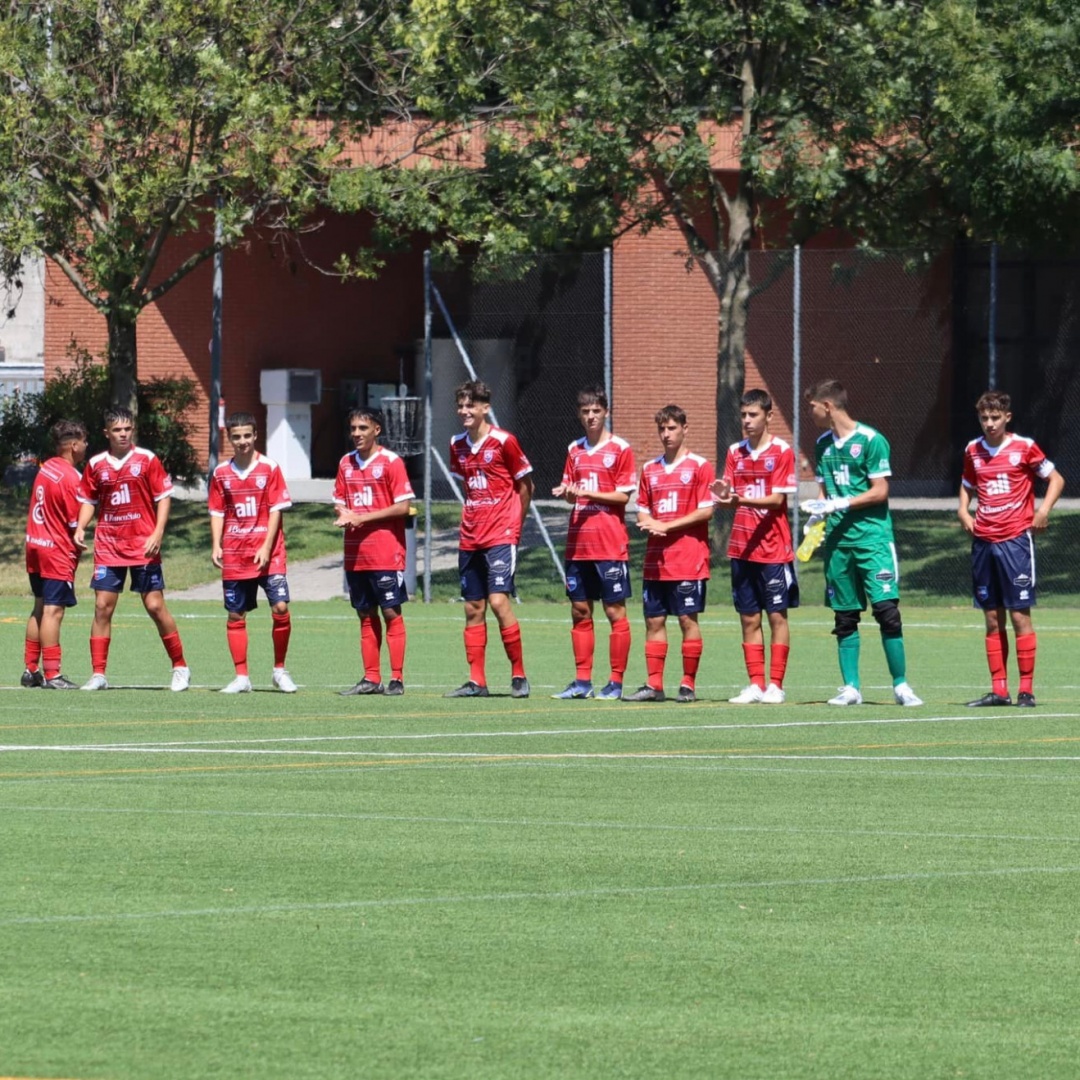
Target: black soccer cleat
column 686, row 695
column 1024, row 700
column 519, row 687
column 645, row 693
column 469, row 689
column 990, row 701
column 364, row 686
column 395, row 688
column 58, row 682
column 32, row 679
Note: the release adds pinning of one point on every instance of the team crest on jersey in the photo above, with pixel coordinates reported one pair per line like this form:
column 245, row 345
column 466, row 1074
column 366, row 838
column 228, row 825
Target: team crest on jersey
column 489, row 456
column 376, row 472
column 609, row 460
column 856, row 450
column 740, row 466
column 136, row 469
column 228, row 485
column 770, row 464
column 1014, row 459
column 104, row 474
column 348, row 474
column 686, row 476
column 260, row 481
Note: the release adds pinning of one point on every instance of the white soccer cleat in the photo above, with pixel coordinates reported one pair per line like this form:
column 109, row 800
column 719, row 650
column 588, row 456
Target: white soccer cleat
column 240, row 685
column 846, row 695
column 750, row 696
column 905, row 695
column 283, row 681
column 181, row 679
column 774, row 695
column 95, row 682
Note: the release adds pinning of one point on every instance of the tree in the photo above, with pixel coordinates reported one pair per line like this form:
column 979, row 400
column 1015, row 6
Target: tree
column 900, row 121
column 126, row 122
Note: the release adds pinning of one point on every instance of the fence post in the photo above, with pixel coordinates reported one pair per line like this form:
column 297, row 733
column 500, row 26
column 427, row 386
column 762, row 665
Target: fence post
column 796, row 379
column 428, row 523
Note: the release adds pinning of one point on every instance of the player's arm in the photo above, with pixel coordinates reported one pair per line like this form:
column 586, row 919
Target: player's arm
column 607, row 498
column 666, row 528
column 875, row 495
column 347, row 518
column 217, row 531
column 86, row 512
column 524, row 486
column 153, row 541
column 1055, row 484
column 967, row 519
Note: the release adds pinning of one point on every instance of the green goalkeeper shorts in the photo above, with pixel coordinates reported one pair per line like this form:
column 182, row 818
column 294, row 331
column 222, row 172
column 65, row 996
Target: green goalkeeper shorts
column 856, row 576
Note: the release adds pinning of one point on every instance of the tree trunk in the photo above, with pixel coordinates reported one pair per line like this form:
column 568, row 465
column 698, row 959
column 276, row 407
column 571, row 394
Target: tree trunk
column 123, row 362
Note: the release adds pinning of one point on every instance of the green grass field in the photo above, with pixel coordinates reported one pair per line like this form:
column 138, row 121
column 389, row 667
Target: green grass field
column 312, row 886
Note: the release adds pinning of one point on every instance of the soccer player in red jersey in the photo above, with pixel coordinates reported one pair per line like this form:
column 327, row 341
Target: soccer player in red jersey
column 675, row 506
column 131, row 493
column 497, row 477
column 52, row 555
column 759, row 474
column 246, row 499
column 999, row 473
column 372, row 496
column 598, row 480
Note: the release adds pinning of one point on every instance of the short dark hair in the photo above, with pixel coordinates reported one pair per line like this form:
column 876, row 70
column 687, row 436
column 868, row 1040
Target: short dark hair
column 117, row 414
column 66, row 431
column 831, row 390
column 593, row 394
column 240, row 419
column 757, row 397
column 473, row 390
column 670, row 412
column 367, row 412
column 994, row 401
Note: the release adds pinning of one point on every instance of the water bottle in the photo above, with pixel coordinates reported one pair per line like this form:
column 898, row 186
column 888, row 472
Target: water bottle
column 812, row 541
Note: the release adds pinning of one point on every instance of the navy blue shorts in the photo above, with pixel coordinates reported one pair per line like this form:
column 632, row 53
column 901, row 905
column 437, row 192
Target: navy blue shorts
column 757, row 586
column 487, row 570
column 144, row 579
column 243, row 595
column 598, row 579
column 673, row 597
column 376, row 588
column 1003, row 573
column 55, row 593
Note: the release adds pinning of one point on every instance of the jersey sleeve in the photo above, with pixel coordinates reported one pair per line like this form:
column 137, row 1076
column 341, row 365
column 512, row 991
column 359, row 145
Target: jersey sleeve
column 706, row 475
column 969, row 476
column 517, row 464
column 161, row 485
column 88, row 486
column 786, row 479
column 215, row 499
column 877, row 456
column 1038, row 462
column 625, row 471
column 568, row 466
column 400, row 486
column 455, row 466
column 644, row 493
column 277, row 491
column 729, row 467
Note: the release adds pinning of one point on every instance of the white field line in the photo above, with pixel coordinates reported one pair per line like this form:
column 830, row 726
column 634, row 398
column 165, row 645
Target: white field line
column 603, row 893
column 540, row 823
column 655, row 729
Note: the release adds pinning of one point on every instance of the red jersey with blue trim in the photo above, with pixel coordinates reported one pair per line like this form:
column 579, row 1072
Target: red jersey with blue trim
column 759, row 533
column 490, row 469
column 1003, row 480
column 362, row 486
column 667, row 492
column 598, row 531
column 126, row 492
column 51, row 521
column 245, row 499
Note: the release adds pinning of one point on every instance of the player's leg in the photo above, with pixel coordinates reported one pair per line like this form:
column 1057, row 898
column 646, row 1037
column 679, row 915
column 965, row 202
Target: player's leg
column 748, row 605
column 1015, row 566
column 618, row 647
column 501, row 566
column 691, row 654
column 151, row 584
column 472, row 569
column 363, row 596
column 986, row 594
column 32, row 676
column 57, row 597
column 107, row 583
column 1026, row 642
column 395, row 646
column 581, row 590
column 240, row 598
column 653, row 596
column 779, row 650
column 276, row 588
column 844, row 594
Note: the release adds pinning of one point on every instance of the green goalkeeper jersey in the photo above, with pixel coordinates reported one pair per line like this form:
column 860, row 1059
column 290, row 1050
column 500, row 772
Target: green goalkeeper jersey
column 845, row 467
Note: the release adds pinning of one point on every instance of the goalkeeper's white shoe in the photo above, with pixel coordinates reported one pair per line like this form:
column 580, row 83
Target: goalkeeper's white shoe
column 774, row 695
column 905, row 695
column 846, row 695
column 240, row 685
column 750, row 696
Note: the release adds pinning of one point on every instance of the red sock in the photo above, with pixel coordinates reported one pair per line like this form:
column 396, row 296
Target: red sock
column 655, row 655
column 280, row 632
column 691, row 658
column 237, row 637
column 1025, row 661
column 31, row 654
column 997, row 654
column 778, row 656
column 51, row 657
column 619, row 649
column 99, row 654
column 174, row 648
column 511, row 639
column 371, row 646
column 583, row 640
column 476, row 653
column 395, row 644
column 754, row 657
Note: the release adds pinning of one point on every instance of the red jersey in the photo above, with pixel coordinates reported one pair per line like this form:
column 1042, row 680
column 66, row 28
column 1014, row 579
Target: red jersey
column 667, row 492
column 51, row 521
column 126, row 492
column 245, row 499
column 758, row 533
column 490, row 469
column 598, row 531
column 375, row 484
column 1003, row 480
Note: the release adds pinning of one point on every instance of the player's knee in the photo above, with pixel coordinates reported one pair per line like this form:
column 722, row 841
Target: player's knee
column 887, row 613
column 846, row 623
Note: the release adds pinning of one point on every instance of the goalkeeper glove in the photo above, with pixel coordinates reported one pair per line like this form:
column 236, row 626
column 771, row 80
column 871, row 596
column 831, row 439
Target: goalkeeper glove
column 824, row 507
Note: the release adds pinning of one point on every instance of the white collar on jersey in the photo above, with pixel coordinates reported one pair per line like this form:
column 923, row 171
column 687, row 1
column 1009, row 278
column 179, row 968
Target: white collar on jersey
column 993, row 451
column 245, row 473
column 376, row 450
column 755, row 454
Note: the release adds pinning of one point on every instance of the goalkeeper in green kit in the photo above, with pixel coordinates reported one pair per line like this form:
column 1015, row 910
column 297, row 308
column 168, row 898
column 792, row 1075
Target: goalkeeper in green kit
column 851, row 465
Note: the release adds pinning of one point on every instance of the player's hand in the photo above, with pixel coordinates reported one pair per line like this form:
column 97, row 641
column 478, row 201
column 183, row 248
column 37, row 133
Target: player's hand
column 216, row 558
column 78, row 538
column 261, row 558
column 811, row 521
column 824, row 507
column 1040, row 521
column 723, row 493
column 152, row 546
column 968, row 523
column 345, row 518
